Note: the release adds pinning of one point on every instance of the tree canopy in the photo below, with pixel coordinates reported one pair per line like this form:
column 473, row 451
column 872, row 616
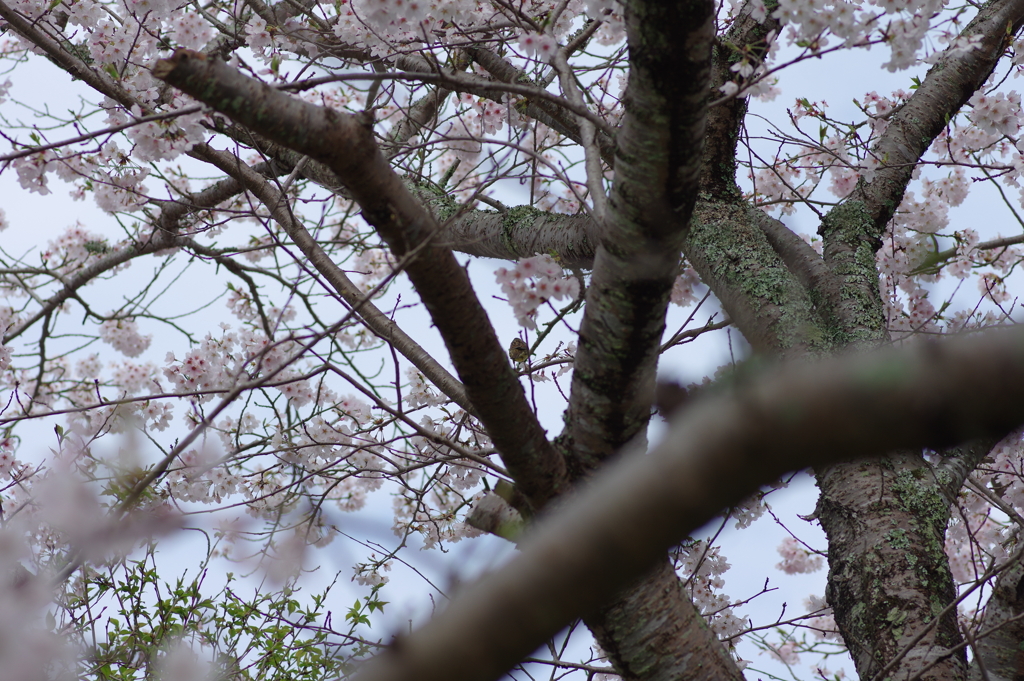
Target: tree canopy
column 436, row 251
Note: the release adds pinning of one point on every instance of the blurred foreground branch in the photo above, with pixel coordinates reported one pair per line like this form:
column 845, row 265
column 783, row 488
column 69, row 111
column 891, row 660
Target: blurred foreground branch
column 717, row 452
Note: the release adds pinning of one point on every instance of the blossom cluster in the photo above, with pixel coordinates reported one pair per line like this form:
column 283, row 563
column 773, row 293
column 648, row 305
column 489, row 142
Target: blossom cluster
column 702, row 566
column 220, row 363
column 531, row 283
column 541, row 45
column 796, row 558
column 420, row 391
column 996, row 114
column 684, row 287
column 902, row 25
column 976, row 538
column 123, row 335
column 74, row 248
column 199, row 479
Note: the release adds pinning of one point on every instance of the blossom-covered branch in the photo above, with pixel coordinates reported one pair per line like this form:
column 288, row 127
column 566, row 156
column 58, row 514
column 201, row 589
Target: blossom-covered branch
column 345, row 144
column 356, row 299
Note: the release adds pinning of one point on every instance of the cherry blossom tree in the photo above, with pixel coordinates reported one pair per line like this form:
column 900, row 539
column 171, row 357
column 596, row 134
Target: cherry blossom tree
column 293, row 303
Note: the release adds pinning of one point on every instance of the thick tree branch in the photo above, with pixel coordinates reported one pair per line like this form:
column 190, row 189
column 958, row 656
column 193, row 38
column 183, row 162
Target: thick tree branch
column 521, row 232
column 657, row 165
column 774, row 310
column 744, row 39
column 886, row 555
column 653, row 632
column 717, row 452
column 870, row 576
column 762, row 297
column 809, row 268
column 886, row 524
column 997, row 650
column 345, row 144
column 852, row 231
column 959, row 462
